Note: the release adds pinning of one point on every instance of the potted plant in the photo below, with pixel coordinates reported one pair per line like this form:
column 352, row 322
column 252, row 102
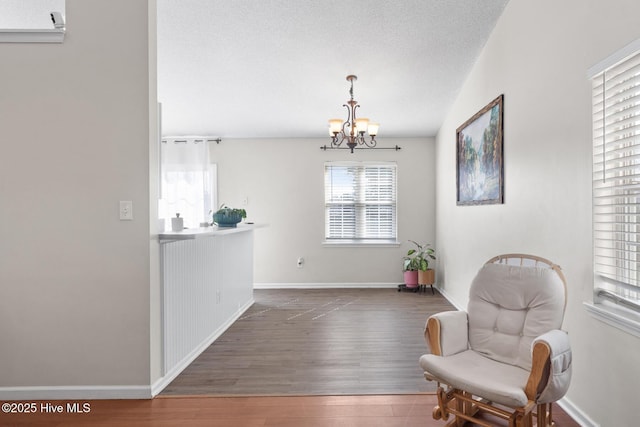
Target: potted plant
column 410, row 268
column 228, row 217
column 423, row 254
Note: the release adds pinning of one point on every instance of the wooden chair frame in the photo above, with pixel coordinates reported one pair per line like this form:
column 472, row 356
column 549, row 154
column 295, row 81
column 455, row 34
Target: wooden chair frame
column 464, row 406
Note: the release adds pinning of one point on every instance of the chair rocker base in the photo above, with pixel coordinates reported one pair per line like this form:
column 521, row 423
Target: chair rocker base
column 464, row 408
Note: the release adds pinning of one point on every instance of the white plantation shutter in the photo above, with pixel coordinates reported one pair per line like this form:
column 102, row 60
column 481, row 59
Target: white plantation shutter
column 360, row 201
column 616, row 181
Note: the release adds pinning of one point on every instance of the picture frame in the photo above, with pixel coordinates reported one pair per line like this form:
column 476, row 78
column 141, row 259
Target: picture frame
column 479, row 157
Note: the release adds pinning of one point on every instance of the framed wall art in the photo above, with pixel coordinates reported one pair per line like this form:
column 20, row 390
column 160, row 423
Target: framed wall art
column 479, row 159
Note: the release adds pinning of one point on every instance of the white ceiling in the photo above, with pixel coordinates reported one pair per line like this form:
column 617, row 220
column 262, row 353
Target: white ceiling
column 277, row 68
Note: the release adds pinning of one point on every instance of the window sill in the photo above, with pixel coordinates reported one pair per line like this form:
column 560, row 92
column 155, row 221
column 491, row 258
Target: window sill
column 362, row 243
column 616, row 316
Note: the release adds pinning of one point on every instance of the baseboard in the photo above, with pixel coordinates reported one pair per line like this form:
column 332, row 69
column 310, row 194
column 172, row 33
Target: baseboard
column 164, row 381
column 451, row 301
column 95, row 392
column 576, row 413
column 75, row 392
column 355, row 285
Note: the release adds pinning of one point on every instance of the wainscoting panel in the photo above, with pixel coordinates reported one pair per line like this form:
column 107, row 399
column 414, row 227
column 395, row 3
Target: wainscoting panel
column 206, row 282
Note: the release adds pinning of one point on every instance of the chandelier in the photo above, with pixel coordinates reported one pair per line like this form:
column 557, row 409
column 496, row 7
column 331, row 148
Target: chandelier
column 353, row 129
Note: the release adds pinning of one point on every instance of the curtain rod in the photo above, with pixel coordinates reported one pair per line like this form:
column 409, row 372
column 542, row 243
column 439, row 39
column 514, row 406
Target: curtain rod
column 325, row 148
column 178, row 139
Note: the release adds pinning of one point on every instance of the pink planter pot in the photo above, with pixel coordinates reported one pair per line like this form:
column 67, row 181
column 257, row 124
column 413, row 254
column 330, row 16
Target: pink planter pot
column 411, row 279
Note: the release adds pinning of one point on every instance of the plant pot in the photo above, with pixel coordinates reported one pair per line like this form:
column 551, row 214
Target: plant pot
column 411, row 279
column 226, row 219
column 427, row 277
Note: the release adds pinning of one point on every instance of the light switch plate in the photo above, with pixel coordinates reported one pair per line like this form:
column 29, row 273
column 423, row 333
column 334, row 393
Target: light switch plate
column 126, row 210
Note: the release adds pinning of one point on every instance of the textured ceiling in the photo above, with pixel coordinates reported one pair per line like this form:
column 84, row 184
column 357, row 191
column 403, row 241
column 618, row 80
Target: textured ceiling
column 277, row 68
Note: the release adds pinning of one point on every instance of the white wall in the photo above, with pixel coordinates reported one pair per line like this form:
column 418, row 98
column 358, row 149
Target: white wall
column 155, row 303
column 29, row 15
column 538, row 56
column 284, row 183
column 75, row 129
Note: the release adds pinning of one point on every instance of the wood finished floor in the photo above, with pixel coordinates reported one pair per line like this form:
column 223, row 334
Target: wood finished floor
column 295, row 342
column 312, row 411
column 318, row 342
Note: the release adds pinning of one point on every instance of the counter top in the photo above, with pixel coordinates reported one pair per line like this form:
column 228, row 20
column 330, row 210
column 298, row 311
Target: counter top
column 202, row 232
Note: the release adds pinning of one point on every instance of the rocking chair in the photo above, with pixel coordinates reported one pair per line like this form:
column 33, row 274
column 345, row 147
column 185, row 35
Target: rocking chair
column 506, row 356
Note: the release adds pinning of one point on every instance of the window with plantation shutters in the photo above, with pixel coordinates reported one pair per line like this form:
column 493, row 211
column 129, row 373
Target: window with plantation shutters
column 360, row 202
column 616, row 181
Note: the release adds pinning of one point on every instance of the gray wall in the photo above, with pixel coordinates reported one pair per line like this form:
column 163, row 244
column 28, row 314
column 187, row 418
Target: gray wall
column 79, row 288
column 538, row 56
column 284, row 183
column 75, row 281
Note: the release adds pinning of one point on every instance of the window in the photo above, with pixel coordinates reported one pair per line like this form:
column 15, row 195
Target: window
column 360, row 202
column 188, row 181
column 616, row 180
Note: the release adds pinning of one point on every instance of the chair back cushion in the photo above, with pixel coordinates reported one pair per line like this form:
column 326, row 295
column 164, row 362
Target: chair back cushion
column 509, row 306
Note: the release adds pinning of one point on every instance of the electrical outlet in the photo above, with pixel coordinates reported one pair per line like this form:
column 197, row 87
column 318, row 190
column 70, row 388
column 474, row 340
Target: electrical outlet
column 126, row 210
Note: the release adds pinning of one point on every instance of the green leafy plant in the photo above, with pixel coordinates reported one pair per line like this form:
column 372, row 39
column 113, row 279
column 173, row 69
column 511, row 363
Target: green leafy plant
column 418, row 259
column 229, row 212
column 228, row 217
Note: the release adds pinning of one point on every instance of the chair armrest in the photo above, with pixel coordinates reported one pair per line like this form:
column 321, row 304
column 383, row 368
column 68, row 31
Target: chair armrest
column 551, row 367
column 447, row 333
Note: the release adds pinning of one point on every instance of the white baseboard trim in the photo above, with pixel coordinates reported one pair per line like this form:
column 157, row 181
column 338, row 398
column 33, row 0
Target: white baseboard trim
column 576, row 413
column 75, row 392
column 164, row 381
column 355, row 285
column 96, row 392
column 451, row 301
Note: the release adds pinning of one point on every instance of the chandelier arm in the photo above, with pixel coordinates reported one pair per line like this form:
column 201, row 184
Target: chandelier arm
column 356, row 105
column 337, row 140
column 349, row 119
column 369, row 143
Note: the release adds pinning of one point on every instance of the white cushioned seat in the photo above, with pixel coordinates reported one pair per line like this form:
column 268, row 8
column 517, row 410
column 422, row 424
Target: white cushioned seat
column 512, row 323
column 499, row 382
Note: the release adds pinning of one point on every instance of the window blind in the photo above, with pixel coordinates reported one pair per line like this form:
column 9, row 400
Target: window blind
column 360, row 201
column 616, row 181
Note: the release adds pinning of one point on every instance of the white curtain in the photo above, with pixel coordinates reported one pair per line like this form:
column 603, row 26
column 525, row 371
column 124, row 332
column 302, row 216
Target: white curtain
column 188, row 181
